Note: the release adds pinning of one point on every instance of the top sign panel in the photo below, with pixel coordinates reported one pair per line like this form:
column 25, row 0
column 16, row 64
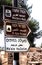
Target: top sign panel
column 17, row 14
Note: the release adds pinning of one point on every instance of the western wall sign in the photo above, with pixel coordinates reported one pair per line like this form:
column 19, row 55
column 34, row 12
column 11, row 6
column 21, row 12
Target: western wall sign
column 14, row 29
column 14, row 13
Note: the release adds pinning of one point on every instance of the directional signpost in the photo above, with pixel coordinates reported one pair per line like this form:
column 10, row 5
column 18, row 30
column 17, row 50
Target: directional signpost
column 16, row 29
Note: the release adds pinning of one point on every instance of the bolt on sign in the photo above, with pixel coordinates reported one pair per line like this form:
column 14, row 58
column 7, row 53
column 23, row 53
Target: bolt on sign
column 14, row 13
column 14, row 29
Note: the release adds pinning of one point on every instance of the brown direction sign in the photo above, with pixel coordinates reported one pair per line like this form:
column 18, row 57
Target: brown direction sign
column 14, row 13
column 14, row 29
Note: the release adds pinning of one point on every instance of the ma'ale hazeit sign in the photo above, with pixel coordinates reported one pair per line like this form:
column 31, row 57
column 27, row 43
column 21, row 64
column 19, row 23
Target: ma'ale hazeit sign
column 15, row 13
column 14, row 29
column 16, row 44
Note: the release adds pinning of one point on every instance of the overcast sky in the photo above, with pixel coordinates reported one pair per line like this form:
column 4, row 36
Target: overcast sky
column 37, row 14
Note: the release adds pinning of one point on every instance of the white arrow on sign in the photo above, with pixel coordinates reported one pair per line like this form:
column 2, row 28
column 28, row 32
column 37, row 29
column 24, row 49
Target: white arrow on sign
column 16, row 44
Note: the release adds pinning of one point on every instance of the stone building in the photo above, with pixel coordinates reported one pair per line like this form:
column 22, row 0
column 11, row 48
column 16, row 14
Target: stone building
column 32, row 57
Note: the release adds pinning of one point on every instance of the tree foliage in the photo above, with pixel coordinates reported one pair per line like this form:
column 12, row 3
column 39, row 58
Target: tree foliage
column 34, row 26
column 5, row 2
column 8, row 2
column 23, row 5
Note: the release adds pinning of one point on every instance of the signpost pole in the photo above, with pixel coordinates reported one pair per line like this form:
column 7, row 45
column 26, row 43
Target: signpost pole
column 14, row 4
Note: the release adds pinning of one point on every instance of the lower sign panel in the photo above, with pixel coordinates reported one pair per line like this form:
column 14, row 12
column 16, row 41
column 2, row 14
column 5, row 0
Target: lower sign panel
column 16, row 44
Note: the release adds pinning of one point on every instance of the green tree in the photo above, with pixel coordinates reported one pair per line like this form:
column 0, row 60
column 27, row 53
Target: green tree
column 32, row 23
column 34, row 26
column 27, row 7
column 5, row 2
column 8, row 2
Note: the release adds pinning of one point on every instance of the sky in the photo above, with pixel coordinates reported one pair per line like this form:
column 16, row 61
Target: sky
column 37, row 14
